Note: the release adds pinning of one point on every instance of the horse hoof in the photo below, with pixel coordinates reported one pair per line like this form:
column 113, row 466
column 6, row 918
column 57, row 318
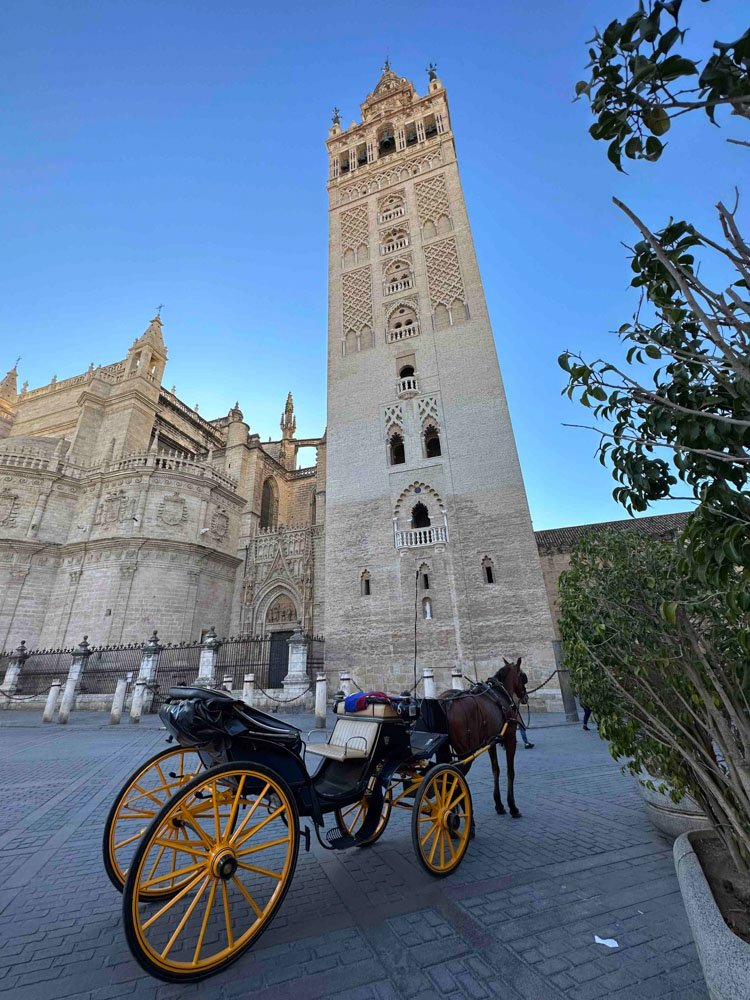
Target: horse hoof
column 499, row 810
column 516, row 814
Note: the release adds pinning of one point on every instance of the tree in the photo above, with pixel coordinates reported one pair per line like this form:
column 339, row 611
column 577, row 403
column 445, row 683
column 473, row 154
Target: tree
column 666, row 673
column 639, row 84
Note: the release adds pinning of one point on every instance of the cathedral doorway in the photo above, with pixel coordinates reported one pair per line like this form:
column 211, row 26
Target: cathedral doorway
column 278, row 660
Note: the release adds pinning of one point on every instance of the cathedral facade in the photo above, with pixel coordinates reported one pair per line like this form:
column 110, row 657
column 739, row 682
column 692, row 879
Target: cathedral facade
column 409, row 542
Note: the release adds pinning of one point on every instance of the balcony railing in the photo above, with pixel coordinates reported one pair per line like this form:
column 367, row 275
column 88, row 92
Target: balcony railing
column 394, row 246
column 406, row 387
column 398, row 286
column 392, row 213
column 414, row 537
column 402, row 333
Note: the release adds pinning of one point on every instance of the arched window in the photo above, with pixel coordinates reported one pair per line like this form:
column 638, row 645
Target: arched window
column 402, row 323
column 364, row 584
column 396, row 449
column 424, row 576
column 407, row 371
column 420, row 516
column 427, row 609
column 488, row 570
column 386, row 140
column 398, row 277
column 442, row 317
column 269, row 504
column 431, row 441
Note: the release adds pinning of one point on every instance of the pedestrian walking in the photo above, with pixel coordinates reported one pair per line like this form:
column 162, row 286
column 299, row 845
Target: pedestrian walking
column 521, row 728
column 586, row 716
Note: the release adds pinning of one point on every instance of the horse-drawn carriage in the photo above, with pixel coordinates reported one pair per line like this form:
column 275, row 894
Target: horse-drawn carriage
column 203, row 839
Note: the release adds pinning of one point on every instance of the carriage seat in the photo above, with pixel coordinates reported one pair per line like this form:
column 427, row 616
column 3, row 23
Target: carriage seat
column 350, row 740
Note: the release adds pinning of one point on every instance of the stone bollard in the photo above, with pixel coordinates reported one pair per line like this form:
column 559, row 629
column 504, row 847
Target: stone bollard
column 248, row 689
column 54, row 693
column 136, row 708
column 10, row 682
column 320, row 701
column 147, row 671
column 209, row 656
column 457, row 679
column 428, row 678
column 345, row 683
column 80, row 655
column 227, row 683
column 118, row 702
column 297, row 683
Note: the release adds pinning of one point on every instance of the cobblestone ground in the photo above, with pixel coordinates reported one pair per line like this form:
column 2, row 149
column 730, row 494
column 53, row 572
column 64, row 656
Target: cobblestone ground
column 517, row 920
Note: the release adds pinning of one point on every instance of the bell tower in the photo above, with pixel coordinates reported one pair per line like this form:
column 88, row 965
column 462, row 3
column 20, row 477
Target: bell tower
column 426, row 512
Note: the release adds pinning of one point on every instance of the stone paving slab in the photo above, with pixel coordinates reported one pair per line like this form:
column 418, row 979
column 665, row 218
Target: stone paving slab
column 515, row 921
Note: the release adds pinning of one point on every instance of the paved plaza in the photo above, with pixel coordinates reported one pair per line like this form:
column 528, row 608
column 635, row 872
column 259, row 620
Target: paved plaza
column 517, row 920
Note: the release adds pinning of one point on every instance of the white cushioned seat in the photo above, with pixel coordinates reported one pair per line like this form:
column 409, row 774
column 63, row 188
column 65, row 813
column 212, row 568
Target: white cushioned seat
column 350, row 740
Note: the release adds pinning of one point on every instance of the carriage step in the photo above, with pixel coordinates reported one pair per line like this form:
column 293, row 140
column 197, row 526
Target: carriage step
column 339, row 841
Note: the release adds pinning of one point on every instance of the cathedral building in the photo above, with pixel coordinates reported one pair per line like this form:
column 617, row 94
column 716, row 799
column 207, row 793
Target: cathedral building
column 123, row 509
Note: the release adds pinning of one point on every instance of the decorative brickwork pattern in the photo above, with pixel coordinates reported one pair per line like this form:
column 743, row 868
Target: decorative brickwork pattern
column 394, row 175
column 443, row 273
column 432, row 199
column 357, row 289
column 354, row 230
column 427, row 408
column 394, row 418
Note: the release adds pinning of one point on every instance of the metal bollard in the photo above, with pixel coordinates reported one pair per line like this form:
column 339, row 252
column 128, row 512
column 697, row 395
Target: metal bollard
column 54, row 693
column 227, row 683
column 457, row 679
column 320, row 701
column 248, row 689
column 118, row 702
column 428, row 677
column 346, row 683
column 136, row 709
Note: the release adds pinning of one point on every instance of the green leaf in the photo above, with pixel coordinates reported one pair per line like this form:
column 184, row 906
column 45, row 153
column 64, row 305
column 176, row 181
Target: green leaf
column 676, row 66
column 614, row 155
column 581, row 88
column 657, row 120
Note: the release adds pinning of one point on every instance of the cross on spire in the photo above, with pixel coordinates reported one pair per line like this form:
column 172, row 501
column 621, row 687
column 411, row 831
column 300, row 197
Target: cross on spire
column 159, row 309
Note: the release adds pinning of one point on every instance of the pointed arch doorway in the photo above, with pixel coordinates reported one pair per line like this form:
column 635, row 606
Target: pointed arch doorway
column 280, row 618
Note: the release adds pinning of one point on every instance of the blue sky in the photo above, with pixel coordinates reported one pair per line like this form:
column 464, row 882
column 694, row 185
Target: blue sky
column 172, row 152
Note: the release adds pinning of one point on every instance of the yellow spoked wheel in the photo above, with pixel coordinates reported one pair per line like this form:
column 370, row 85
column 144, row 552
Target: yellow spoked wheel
column 237, row 860
column 136, row 804
column 441, row 820
column 351, row 818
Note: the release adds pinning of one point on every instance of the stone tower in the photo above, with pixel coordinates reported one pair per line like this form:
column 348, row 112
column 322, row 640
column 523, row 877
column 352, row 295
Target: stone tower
column 426, row 512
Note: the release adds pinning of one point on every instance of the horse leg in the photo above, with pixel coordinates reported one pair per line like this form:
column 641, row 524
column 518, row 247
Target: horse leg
column 499, row 809
column 510, row 760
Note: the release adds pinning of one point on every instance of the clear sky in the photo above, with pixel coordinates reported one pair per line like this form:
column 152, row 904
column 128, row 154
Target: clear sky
column 172, row 151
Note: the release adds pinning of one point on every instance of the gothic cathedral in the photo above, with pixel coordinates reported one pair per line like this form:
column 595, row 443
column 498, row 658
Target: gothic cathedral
column 123, row 509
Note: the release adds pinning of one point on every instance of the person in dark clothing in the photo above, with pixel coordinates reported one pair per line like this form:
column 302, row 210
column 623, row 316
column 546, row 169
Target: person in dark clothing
column 586, row 716
column 520, row 727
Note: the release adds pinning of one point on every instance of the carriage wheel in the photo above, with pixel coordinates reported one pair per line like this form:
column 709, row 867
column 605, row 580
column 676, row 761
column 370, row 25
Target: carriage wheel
column 351, row 818
column 136, row 804
column 441, row 820
column 238, row 858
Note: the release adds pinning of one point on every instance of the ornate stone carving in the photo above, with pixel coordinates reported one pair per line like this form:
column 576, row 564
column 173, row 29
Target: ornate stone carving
column 172, row 510
column 282, row 609
column 219, row 524
column 443, row 273
column 357, row 298
column 9, row 507
column 427, row 409
column 394, row 418
column 115, row 508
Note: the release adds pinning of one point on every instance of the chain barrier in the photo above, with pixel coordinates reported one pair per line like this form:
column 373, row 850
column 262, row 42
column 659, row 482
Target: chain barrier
column 285, row 701
column 556, row 671
column 24, row 697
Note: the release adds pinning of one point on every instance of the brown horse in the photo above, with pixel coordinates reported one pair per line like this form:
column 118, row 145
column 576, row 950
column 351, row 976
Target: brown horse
column 475, row 717
column 510, row 684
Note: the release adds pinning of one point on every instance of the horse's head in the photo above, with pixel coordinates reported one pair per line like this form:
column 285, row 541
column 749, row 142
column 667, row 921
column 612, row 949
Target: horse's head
column 514, row 680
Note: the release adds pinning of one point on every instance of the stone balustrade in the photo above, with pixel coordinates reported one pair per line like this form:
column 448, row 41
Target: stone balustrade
column 394, row 213
column 407, row 387
column 401, row 333
column 414, row 537
column 394, row 246
column 170, row 463
column 392, row 287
